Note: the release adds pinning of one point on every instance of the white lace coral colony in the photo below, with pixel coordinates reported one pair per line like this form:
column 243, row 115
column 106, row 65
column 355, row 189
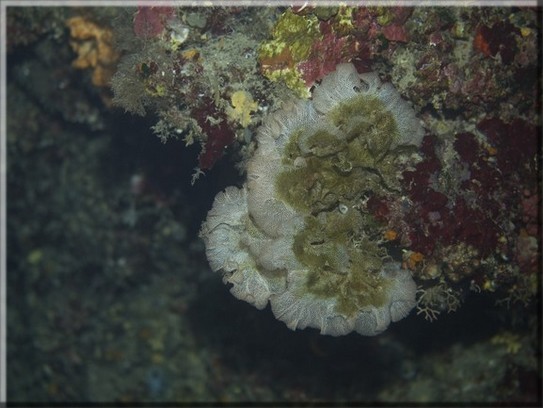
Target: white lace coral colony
column 295, row 234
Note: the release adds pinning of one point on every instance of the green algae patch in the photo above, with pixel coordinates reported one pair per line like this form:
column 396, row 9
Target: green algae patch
column 343, row 265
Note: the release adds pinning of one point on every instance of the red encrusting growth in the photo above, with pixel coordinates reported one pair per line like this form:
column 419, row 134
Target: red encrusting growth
column 489, row 192
column 438, row 219
column 396, row 32
column 499, row 38
column 149, row 21
column 516, row 143
column 219, row 134
column 378, row 207
column 466, row 146
column 326, row 54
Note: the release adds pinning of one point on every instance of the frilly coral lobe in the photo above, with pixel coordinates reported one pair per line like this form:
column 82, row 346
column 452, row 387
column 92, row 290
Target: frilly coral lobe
column 295, row 234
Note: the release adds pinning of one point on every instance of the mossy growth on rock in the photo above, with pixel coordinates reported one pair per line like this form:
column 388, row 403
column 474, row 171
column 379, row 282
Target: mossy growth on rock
column 293, row 38
column 296, row 234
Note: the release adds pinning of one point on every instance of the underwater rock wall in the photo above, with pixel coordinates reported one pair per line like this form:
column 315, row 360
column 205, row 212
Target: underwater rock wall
column 296, row 234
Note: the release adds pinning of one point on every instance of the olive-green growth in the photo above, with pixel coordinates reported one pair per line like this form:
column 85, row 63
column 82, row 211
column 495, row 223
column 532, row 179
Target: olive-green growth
column 327, row 170
column 296, row 32
column 343, row 264
column 368, row 119
column 337, row 164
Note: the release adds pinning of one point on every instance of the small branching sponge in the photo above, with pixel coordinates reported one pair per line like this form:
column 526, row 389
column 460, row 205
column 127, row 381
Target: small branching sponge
column 296, row 233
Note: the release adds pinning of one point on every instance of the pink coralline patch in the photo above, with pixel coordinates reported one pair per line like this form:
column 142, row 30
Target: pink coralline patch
column 366, row 20
column 395, row 32
column 370, row 35
column 149, row 21
column 480, row 85
column 401, row 14
column 454, row 78
column 326, row 54
column 378, row 207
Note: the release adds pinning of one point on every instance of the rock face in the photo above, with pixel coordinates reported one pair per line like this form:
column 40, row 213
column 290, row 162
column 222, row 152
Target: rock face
column 296, row 234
